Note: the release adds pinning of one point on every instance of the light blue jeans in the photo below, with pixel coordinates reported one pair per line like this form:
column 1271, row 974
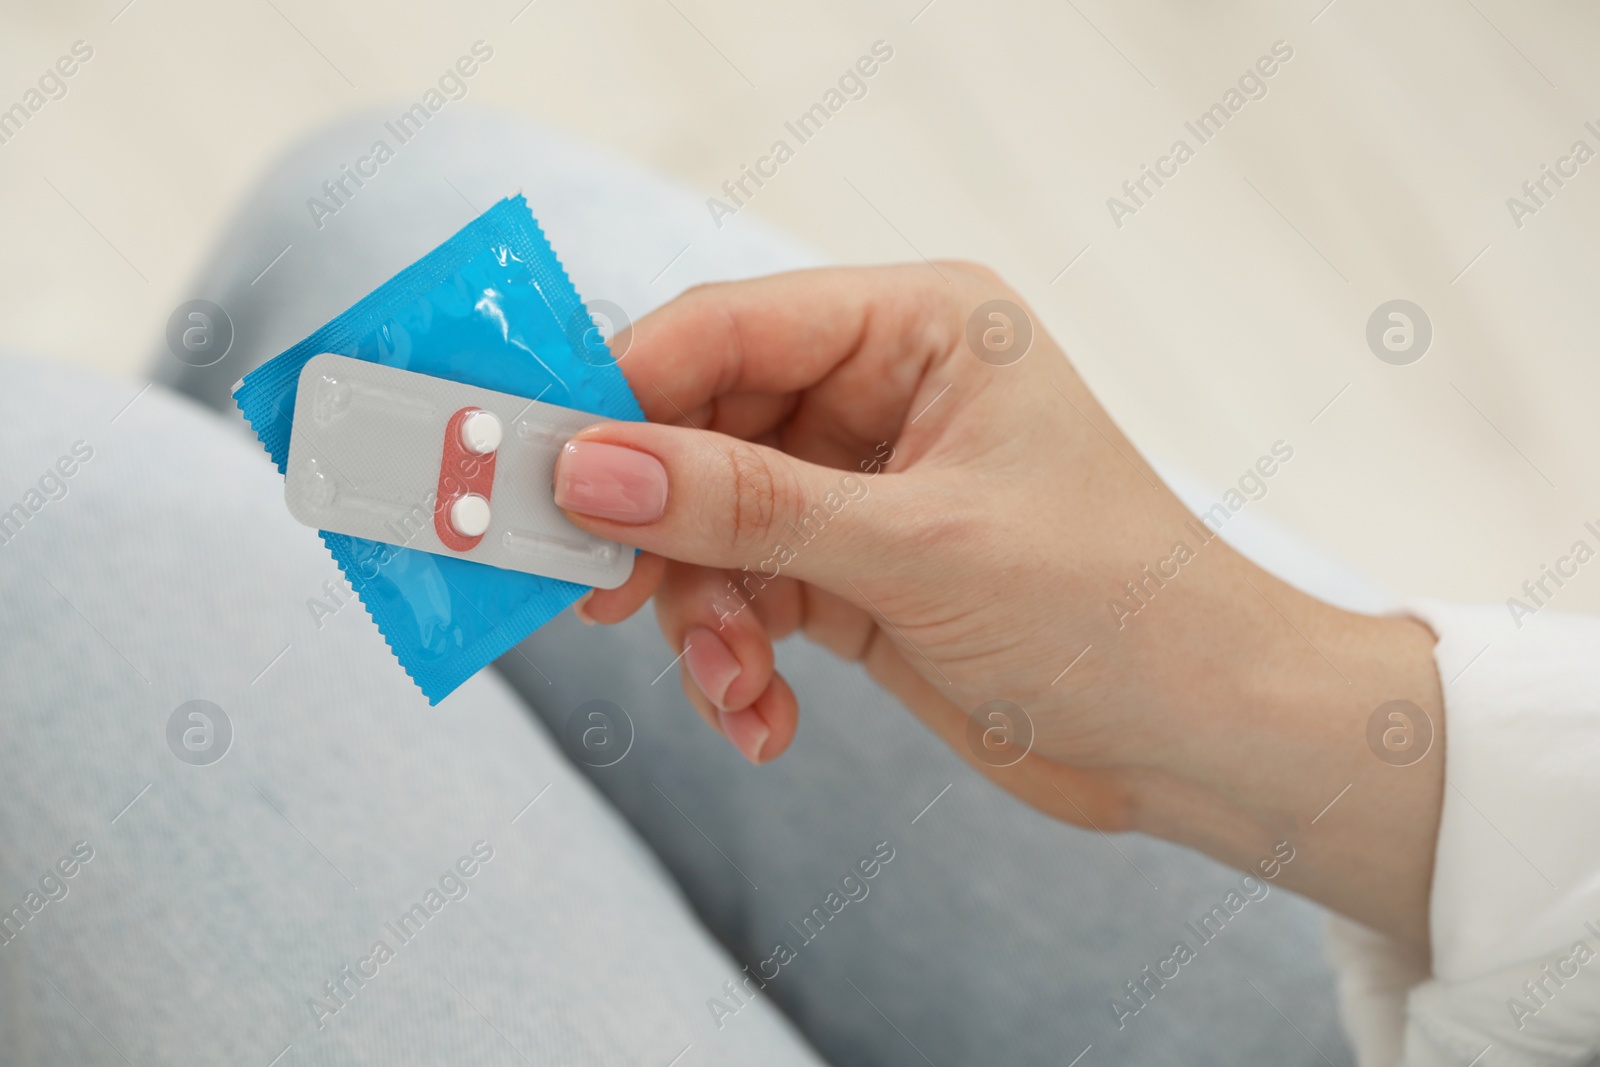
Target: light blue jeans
column 360, row 879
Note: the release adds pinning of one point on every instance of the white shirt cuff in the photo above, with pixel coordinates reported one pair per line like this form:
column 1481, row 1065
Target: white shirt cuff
column 1516, row 884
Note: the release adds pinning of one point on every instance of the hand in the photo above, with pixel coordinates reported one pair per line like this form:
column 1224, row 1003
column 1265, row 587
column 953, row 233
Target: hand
column 827, row 453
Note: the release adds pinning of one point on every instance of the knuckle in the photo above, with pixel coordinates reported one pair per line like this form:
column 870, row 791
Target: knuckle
column 758, row 492
column 701, row 291
column 979, row 272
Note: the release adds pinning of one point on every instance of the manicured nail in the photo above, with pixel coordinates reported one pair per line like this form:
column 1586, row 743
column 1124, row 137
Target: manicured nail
column 711, row 665
column 747, row 732
column 580, row 608
column 610, row 482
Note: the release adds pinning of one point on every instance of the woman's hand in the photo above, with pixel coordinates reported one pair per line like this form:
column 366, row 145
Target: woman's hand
column 877, row 458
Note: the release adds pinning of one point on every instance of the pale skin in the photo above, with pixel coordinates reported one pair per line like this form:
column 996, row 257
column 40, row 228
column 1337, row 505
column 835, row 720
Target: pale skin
column 1224, row 716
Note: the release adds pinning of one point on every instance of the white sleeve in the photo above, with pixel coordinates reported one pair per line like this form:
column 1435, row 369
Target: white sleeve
column 1516, row 884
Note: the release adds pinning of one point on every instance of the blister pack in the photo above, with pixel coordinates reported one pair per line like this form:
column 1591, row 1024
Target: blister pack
column 408, row 459
column 418, row 431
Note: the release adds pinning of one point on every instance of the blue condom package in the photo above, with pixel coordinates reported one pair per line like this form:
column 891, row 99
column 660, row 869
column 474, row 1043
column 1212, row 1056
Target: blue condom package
column 492, row 307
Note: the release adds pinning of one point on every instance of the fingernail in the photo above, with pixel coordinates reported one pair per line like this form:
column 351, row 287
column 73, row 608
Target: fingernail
column 711, row 665
column 610, row 482
column 580, row 608
column 747, row 732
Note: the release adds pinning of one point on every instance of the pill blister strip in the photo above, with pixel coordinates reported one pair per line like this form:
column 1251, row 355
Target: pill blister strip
column 393, row 456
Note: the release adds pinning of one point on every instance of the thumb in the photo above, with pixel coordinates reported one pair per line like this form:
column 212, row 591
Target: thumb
column 717, row 501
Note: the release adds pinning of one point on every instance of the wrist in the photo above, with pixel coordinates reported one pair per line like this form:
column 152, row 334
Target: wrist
column 1269, row 743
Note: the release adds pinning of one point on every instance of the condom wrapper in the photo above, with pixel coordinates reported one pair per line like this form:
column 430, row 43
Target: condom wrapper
column 491, row 309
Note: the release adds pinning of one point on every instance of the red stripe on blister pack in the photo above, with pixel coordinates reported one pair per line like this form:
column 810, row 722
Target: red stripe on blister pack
column 460, row 473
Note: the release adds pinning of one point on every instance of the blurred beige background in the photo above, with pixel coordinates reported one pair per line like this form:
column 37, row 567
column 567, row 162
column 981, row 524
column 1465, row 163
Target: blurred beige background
column 1223, row 316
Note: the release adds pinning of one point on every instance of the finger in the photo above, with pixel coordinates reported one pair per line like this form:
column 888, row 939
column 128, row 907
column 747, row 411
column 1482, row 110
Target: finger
column 763, row 731
column 727, row 672
column 725, row 652
column 780, row 605
column 866, row 335
column 746, row 415
column 717, row 501
column 837, row 624
column 611, row 606
column 778, row 712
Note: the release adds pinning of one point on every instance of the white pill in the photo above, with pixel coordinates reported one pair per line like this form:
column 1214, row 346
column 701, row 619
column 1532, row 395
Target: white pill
column 480, row 433
column 469, row 515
